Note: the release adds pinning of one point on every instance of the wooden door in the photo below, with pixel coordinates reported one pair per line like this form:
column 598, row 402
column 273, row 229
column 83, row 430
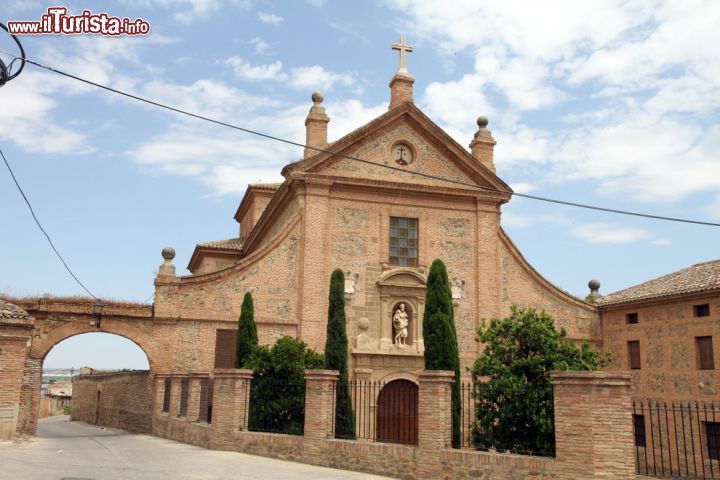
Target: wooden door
column 397, row 413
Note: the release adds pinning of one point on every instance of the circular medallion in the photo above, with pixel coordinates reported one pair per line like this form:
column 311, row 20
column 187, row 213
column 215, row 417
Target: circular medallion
column 402, row 154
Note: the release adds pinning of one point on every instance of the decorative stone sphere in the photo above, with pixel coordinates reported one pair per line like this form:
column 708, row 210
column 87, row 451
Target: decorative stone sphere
column 168, row 253
column 482, row 121
column 364, row 323
column 318, row 97
column 594, row 285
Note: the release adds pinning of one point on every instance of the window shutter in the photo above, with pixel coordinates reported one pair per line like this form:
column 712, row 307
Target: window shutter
column 705, row 353
column 634, row 354
column 225, row 348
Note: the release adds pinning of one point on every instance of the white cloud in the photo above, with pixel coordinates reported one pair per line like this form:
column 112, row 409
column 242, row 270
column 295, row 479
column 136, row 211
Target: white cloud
column 598, row 233
column 523, row 187
column 261, row 46
column 638, row 82
column 243, row 69
column 188, row 11
column 270, row 18
column 316, row 77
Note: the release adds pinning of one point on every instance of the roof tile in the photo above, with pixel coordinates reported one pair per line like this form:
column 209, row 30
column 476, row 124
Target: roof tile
column 703, row 277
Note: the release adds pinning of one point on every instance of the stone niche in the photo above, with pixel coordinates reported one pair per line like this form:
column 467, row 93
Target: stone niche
column 400, row 286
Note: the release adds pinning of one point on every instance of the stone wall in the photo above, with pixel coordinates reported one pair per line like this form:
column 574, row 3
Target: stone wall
column 118, row 400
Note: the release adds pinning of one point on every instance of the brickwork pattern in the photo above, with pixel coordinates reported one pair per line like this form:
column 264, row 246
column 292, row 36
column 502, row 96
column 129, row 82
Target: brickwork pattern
column 126, row 400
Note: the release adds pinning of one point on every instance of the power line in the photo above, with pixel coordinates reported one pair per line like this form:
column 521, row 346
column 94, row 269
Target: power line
column 12, row 174
column 357, row 159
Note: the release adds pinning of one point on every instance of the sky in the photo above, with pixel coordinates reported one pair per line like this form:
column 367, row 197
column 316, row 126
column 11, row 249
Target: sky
column 613, row 103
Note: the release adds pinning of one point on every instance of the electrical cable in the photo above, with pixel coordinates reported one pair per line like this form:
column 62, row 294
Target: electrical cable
column 12, row 174
column 350, row 157
column 6, row 70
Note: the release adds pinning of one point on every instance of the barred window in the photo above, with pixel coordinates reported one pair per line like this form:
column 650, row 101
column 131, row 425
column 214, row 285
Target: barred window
column 166, row 395
column 404, row 241
column 634, row 355
column 632, row 318
column 712, row 433
column 639, row 430
column 206, row 392
column 184, row 392
column 702, row 310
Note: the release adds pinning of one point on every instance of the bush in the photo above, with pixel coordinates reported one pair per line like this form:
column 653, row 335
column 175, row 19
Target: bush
column 277, row 393
column 512, row 381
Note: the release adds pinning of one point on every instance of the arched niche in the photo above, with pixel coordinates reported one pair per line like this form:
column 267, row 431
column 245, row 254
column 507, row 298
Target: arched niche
column 407, row 286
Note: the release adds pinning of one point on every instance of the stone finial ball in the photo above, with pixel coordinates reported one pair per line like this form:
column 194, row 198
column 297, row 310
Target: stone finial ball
column 482, row 121
column 317, row 97
column 594, row 284
column 168, row 253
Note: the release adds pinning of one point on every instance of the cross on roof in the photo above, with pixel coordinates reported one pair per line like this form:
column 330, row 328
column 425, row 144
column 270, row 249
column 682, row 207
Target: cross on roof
column 402, row 47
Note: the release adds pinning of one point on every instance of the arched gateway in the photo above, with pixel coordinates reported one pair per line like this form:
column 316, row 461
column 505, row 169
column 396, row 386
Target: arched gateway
column 25, row 341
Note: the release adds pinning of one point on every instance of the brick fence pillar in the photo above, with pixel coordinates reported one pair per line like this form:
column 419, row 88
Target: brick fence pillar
column 593, row 425
column 435, row 420
column 231, row 390
column 175, row 394
column 319, row 411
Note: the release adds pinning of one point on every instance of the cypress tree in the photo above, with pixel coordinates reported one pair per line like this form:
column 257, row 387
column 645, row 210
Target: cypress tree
column 247, row 339
column 336, row 356
column 441, row 347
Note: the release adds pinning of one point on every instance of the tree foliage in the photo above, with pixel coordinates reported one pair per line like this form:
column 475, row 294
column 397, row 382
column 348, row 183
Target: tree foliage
column 512, row 381
column 336, row 356
column 277, row 393
column 440, row 336
column 247, row 338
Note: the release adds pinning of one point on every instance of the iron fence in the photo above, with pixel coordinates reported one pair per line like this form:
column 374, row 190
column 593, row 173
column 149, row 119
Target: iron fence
column 680, row 439
column 468, row 414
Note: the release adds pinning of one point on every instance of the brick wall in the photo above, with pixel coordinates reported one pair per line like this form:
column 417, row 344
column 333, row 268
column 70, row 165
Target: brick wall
column 118, row 400
column 13, row 347
column 592, row 441
column 666, row 331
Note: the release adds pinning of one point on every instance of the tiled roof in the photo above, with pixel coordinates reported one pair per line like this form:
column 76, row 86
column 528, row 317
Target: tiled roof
column 10, row 310
column 703, row 277
column 265, row 186
column 229, row 244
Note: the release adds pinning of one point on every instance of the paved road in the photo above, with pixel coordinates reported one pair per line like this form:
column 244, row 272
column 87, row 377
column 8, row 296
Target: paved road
column 65, row 450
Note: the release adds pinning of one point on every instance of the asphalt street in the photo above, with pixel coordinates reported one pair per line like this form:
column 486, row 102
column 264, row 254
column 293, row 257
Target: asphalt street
column 65, row 450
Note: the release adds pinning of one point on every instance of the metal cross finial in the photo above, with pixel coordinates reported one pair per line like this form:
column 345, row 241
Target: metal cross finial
column 402, row 47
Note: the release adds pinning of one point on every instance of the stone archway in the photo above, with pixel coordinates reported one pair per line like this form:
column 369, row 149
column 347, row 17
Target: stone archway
column 44, row 341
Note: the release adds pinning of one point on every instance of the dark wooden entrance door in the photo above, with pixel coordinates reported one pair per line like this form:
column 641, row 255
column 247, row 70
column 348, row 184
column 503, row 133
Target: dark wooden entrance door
column 397, row 413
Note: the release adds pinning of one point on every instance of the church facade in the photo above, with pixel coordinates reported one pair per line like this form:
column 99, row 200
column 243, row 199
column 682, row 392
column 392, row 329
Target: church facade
column 380, row 203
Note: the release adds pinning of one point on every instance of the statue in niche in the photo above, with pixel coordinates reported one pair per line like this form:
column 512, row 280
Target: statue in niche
column 400, row 323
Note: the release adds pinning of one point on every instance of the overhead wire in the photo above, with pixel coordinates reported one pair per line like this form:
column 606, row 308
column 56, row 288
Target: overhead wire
column 357, row 159
column 37, row 222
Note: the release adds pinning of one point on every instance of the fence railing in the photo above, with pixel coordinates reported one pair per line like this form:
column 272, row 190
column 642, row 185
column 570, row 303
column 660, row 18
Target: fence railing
column 277, row 406
column 678, row 439
column 364, row 394
column 468, row 414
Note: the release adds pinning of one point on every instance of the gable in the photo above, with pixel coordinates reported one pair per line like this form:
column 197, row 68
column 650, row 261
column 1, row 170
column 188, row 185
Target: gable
column 436, row 154
column 428, row 160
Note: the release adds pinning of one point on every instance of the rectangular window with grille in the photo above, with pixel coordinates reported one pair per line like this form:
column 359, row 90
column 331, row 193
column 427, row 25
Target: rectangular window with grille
column 404, row 241
column 712, row 433
column 639, row 430
column 205, row 413
column 634, row 355
column 225, row 341
column 184, row 392
column 704, row 347
column 702, row 310
column 632, row 318
column 166, row 395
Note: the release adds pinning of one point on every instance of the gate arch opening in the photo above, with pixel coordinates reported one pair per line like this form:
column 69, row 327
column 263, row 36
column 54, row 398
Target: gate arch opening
column 397, row 413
